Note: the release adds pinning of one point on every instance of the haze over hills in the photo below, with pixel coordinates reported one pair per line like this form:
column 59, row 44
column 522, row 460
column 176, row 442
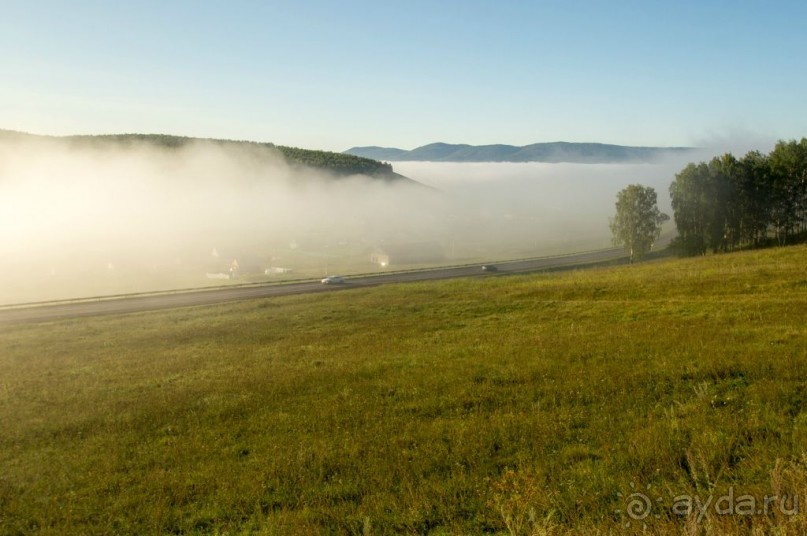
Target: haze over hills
column 554, row 152
column 106, row 214
column 334, row 164
column 110, row 214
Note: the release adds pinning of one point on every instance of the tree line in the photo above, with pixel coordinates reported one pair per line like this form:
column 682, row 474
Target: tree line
column 730, row 203
column 722, row 205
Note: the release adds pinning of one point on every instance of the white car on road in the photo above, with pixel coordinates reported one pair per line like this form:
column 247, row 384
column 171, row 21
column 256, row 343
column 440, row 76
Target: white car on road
column 333, row 280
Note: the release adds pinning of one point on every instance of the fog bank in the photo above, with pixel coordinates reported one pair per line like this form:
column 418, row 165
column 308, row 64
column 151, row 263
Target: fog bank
column 83, row 219
column 79, row 219
column 569, row 201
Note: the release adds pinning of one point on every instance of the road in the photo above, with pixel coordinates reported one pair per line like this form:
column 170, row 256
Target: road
column 132, row 304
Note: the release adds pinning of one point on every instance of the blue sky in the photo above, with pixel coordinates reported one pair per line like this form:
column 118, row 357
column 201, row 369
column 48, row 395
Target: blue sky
column 332, row 75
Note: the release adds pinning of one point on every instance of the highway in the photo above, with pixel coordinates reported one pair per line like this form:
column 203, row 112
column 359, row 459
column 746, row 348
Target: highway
column 47, row 312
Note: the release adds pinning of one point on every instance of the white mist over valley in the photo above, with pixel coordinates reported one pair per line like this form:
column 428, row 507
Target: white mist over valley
column 99, row 219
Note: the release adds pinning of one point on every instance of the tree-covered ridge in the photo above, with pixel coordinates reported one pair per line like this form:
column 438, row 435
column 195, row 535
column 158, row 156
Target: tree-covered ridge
column 730, row 203
column 339, row 164
column 336, row 163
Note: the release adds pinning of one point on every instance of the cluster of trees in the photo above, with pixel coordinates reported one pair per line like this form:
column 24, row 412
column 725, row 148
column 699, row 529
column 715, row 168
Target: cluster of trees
column 730, row 203
column 725, row 204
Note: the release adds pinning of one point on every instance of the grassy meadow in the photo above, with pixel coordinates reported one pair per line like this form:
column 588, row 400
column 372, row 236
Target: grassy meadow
column 534, row 404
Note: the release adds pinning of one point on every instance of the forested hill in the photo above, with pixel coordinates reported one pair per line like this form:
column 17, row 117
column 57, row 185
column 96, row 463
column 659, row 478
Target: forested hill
column 555, row 152
column 336, row 164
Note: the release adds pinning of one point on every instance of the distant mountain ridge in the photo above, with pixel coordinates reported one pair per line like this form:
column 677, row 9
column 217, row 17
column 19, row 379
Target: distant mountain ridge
column 552, row 152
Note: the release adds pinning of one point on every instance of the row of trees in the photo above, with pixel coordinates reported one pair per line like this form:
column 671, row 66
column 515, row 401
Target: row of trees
column 725, row 204
column 729, row 203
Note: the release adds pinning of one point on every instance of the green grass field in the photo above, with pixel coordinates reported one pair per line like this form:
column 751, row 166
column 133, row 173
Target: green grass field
column 538, row 404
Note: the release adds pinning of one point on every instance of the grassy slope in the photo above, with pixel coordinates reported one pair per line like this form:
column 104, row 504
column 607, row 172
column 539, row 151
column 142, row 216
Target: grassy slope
column 456, row 406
